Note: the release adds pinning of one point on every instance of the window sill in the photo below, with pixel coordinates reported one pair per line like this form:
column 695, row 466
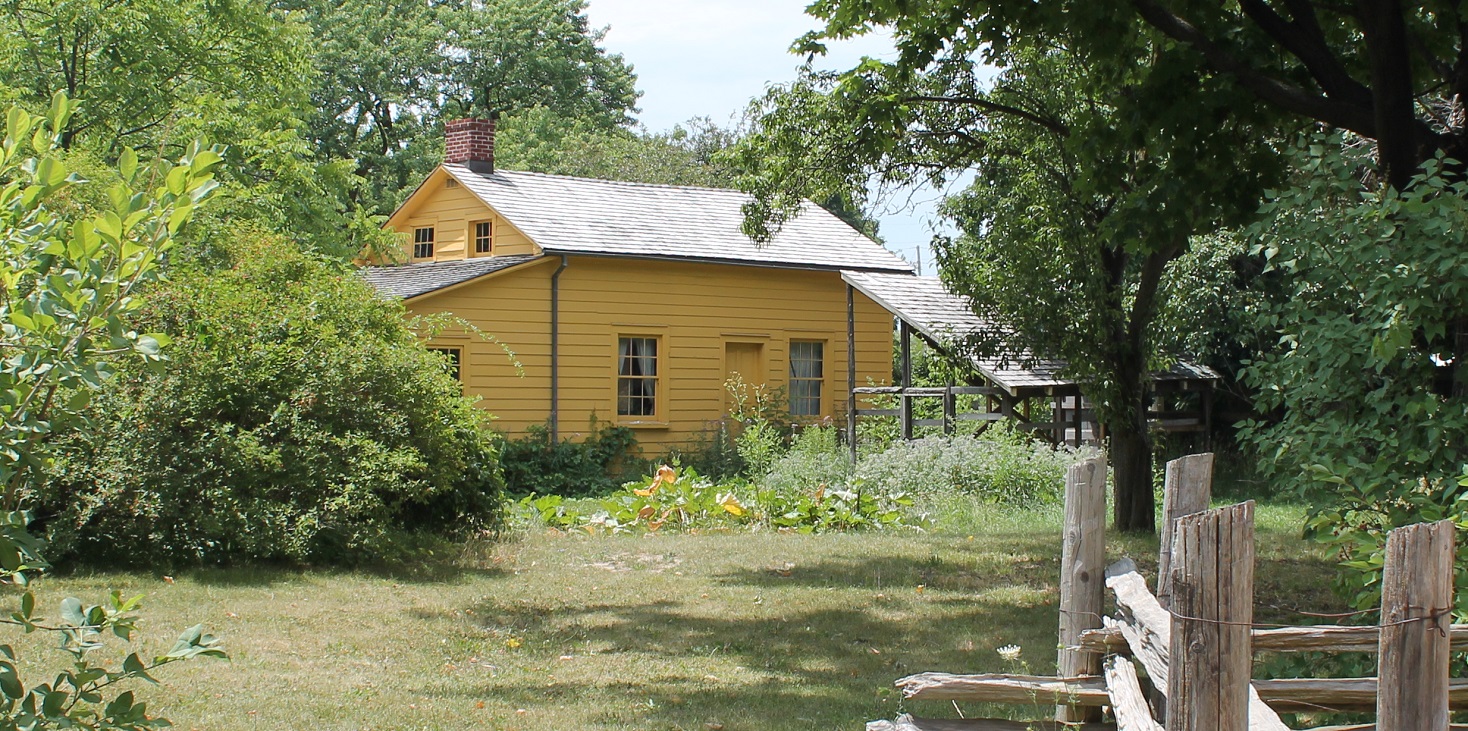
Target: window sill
column 642, row 424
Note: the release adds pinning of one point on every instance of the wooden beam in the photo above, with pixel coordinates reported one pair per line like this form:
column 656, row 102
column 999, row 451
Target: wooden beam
column 1187, row 489
column 1338, row 694
column 909, row 723
column 1416, row 606
column 1127, row 702
column 851, row 370
column 1287, row 694
column 1082, row 574
column 1319, row 638
column 1148, row 629
column 1005, row 688
column 1210, row 662
column 905, row 401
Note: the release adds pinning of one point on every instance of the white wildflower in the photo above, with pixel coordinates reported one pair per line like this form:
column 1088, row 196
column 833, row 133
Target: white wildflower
column 1010, row 653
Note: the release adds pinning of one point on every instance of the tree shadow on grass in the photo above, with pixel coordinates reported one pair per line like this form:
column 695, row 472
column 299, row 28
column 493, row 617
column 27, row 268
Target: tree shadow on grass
column 411, row 569
column 815, row 665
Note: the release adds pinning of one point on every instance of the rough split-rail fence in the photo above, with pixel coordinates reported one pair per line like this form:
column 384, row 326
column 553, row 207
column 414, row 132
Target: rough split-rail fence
column 1195, row 638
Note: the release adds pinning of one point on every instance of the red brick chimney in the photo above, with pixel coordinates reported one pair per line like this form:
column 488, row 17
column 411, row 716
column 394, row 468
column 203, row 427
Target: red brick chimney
column 470, row 142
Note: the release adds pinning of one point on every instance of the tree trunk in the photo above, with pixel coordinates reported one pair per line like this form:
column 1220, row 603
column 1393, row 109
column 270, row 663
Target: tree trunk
column 1130, row 455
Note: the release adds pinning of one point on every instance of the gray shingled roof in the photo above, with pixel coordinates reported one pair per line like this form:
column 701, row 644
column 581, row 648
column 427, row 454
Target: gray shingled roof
column 584, row 216
column 413, row 280
column 944, row 318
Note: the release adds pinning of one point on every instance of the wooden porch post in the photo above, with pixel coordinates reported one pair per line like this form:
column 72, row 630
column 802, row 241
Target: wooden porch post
column 851, row 370
column 904, row 400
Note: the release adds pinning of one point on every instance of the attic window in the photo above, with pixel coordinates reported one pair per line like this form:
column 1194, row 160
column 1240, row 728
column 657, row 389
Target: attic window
column 450, row 183
column 423, row 243
column 483, row 237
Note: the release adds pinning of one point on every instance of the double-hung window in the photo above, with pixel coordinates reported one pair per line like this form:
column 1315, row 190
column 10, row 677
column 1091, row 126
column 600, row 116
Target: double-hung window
column 637, row 376
column 483, row 237
column 453, row 359
column 807, row 376
column 423, row 242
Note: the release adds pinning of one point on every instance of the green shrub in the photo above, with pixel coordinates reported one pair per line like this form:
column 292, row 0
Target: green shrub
column 597, row 465
column 1003, row 466
column 672, row 500
column 816, row 460
column 297, row 418
column 714, row 452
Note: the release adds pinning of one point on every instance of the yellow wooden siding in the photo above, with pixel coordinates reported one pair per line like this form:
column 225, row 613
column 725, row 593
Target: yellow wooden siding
column 452, row 211
column 693, row 308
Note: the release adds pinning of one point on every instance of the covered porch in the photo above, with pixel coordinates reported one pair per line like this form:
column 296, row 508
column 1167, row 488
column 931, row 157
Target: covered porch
column 1030, row 392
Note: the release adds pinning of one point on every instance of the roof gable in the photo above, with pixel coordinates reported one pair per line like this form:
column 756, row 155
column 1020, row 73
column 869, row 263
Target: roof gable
column 601, row 217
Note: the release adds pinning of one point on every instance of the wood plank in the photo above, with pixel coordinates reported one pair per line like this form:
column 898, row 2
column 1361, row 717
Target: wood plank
column 1416, row 601
column 1148, row 628
column 1005, row 688
column 1145, row 625
column 1287, row 694
column 1187, row 489
column 909, row 723
column 1127, row 702
column 1317, row 638
column 1338, row 694
column 1082, row 575
column 1372, row 727
column 1210, row 663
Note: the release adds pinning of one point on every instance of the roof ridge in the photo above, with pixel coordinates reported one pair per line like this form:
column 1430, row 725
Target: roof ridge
column 608, row 181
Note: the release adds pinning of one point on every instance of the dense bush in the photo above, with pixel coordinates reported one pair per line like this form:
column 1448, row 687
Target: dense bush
column 683, row 500
column 816, row 459
column 1368, row 380
column 596, row 465
column 1003, row 466
column 296, row 418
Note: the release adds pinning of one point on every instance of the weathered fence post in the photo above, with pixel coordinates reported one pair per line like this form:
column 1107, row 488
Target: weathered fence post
column 1416, row 599
column 1211, row 659
column 1082, row 576
column 1188, row 489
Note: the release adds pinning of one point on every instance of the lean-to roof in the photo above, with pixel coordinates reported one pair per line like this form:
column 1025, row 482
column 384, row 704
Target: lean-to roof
column 945, row 318
column 414, row 280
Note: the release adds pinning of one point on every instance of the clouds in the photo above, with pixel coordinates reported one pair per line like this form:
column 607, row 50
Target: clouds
column 709, row 57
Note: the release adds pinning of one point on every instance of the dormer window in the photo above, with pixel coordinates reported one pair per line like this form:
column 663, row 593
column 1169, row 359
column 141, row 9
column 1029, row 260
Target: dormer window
column 423, row 243
column 483, row 237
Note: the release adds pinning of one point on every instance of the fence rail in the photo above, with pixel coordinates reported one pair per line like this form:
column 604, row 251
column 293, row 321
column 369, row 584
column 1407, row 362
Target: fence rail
column 1195, row 639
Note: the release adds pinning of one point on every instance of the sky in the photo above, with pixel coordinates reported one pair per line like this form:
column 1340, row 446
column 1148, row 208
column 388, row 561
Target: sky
column 708, row 58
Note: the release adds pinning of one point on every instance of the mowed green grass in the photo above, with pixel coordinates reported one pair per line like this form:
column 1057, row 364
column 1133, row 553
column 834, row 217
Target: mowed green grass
column 733, row 630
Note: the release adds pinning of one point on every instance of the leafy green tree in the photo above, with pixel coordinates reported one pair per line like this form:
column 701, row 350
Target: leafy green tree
column 154, row 75
column 540, row 140
column 1362, row 331
column 134, row 64
column 298, row 417
column 68, row 281
column 390, row 72
column 1090, row 183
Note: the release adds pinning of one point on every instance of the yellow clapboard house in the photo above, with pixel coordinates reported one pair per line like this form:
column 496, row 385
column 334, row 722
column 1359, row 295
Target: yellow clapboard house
column 631, row 303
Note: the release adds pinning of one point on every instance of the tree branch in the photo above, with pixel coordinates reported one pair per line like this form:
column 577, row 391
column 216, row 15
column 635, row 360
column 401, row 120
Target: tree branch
column 1053, row 125
column 1289, row 97
column 1304, row 39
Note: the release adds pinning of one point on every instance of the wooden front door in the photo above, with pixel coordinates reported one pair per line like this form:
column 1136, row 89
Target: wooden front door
column 745, row 360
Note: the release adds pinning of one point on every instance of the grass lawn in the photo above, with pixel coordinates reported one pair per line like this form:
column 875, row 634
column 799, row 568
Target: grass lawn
column 734, row 631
